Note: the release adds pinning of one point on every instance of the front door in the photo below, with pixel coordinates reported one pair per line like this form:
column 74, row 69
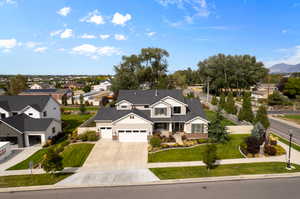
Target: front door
column 178, row 127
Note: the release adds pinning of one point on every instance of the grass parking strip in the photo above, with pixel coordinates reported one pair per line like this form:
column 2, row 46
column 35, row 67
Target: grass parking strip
column 222, row 170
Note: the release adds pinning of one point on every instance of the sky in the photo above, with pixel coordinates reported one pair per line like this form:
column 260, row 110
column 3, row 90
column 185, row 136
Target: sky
column 59, row 37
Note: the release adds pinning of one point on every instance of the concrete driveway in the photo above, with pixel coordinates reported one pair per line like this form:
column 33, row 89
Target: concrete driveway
column 113, row 155
column 112, row 162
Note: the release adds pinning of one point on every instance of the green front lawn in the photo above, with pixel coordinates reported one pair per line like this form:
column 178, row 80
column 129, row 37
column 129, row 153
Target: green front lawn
column 293, row 118
column 211, row 115
column 88, row 108
column 31, row 180
column 229, row 150
column 223, row 170
column 75, row 155
column 285, row 141
column 72, row 121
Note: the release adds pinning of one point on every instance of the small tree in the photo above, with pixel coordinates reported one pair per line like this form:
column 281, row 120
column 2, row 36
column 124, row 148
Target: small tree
column 246, row 113
column 253, row 145
column 52, row 162
column 259, row 132
column 214, row 100
column 82, row 107
column 210, row 155
column 216, row 130
column 262, row 117
column 222, row 103
column 230, row 104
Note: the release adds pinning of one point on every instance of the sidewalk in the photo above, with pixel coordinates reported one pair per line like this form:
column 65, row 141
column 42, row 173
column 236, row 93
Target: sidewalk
column 19, row 157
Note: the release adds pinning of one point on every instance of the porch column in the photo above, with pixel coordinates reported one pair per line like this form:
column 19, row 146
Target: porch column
column 43, row 139
column 26, row 139
column 170, row 127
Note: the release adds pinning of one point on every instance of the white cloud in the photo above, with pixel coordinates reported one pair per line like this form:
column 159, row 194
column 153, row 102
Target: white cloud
column 150, row 34
column 40, row 49
column 103, row 37
column 11, row 2
column 87, row 36
column 93, row 17
column 120, row 37
column 8, row 43
column 32, row 44
column 67, row 33
column 64, row 11
column 291, row 56
column 284, row 31
column 55, row 33
column 120, row 19
column 94, row 52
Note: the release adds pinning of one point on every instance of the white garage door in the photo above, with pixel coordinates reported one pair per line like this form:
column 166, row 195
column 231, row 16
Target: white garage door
column 133, row 135
column 106, row 132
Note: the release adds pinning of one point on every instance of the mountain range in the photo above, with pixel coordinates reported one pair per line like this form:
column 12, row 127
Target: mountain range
column 284, row 68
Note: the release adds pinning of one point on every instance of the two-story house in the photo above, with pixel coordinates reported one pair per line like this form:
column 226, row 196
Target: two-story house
column 27, row 120
column 140, row 113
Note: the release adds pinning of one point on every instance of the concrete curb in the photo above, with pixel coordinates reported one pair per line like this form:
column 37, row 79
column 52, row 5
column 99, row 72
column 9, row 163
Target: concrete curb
column 161, row 182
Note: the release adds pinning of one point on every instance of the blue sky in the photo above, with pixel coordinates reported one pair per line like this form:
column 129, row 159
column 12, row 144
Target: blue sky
column 90, row 36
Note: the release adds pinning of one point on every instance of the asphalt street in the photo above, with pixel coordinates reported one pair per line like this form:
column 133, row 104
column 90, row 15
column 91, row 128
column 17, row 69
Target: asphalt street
column 283, row 130
column 246, row 189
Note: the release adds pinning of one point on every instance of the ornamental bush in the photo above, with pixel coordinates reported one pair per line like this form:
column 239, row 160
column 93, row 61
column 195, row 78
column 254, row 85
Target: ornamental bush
column 155, row 141
column 253, row 145
column 270, row 150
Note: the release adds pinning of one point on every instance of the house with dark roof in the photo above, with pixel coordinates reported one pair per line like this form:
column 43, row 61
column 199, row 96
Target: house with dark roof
column 28, row 120
column 140, row 113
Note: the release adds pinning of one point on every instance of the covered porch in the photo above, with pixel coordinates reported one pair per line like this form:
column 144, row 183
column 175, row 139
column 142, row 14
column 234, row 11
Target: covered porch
column 172, row 127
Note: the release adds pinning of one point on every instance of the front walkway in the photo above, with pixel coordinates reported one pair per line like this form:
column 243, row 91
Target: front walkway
column 19, row 157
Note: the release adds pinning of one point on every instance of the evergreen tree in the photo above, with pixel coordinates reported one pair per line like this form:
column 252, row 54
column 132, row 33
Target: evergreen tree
column 259, row 132
column 214, row 100
column 52, row 162
column 82, row 105
column 216, row 130
column 210, row 155
column 262, row 117
column 246, row 113
column 222, row 103
column 230, row 104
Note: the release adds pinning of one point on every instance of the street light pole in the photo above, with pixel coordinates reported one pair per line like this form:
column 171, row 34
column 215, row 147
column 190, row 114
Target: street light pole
column 207, row 90
column 290, row 145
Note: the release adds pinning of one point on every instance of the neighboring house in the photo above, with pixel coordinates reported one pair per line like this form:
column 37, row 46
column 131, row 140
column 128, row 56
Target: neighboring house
column 93, row 97
column 103, row 86
column 41, row 86
column 5, row 150
column 27, row 120
column 57, row 94
column 262, row 91
column 140, row 113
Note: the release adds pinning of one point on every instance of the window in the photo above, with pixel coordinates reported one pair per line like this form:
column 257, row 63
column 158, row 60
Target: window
column 135, row 131
column 14, row 113
column 2, row 116
column 45, row 113
column 30, row 114
column 160, row 111
column 128, row 131
column 177, row 109
column 197, row 128
column 146, row 106
column 124, row 106
column 131, row 117
column 53, row 130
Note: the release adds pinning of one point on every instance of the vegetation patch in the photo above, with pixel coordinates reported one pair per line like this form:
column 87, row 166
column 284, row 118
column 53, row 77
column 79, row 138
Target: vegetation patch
column 285, row 141
column 75, row 154
column 227, row 150
column 211, row 115
column 222, row 170
column 292, row 118
column 31, row 180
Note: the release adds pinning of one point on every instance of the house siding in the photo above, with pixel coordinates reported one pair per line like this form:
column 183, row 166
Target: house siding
column 7, row 131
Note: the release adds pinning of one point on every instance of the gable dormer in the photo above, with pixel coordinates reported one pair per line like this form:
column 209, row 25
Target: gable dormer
column 124, row 105
column 160, row 109
column 177, row 107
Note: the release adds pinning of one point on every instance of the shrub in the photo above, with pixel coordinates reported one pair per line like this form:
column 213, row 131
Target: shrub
column 202, row 141
column 52, row 161
column 252, row 145
column 210, row 155
column 214, row 100
column 89, row 136
column 279, row 150
column 270, row 150
column 155, row 141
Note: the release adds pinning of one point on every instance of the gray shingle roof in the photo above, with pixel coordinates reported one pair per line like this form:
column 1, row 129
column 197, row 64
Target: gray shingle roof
column 19, row 102
column 148, row 96
column 113, row 114
column 23, row 123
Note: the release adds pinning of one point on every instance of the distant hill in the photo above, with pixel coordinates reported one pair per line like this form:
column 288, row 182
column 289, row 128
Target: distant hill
column 285, row 68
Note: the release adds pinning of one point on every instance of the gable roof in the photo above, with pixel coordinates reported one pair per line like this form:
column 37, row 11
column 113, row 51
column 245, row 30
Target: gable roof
column 23, row 123
column 195, row 109
column 19, row 102
column 149, row 96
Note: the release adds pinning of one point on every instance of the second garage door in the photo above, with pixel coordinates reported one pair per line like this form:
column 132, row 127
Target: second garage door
column 133, row 135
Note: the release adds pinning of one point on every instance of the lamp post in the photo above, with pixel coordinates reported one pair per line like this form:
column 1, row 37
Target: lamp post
column 290, row 145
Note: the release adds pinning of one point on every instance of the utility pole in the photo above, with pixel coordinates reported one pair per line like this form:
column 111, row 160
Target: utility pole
column 207, row 97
